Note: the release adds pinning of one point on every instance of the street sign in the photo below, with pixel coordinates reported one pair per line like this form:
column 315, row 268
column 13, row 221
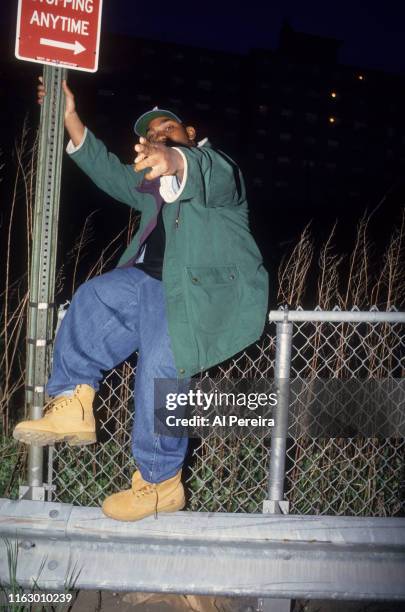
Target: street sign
column 62, row 33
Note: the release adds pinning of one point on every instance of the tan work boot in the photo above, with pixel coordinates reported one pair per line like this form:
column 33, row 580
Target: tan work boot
column 145, row 498
column 65, row 418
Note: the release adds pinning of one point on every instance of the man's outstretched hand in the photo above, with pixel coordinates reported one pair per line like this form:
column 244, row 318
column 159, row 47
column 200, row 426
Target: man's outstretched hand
column 163, row 160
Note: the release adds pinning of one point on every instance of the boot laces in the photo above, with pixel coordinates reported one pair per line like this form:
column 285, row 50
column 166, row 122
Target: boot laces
column 145, row 490
column 148, row 489
column 55, row 404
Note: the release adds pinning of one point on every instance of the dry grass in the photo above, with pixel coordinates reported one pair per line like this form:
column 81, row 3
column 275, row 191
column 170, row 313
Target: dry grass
column 356, row 476
column 362, row 279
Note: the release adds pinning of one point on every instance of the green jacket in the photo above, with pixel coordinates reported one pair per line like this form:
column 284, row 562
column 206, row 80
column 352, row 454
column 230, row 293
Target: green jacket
column 215, row 284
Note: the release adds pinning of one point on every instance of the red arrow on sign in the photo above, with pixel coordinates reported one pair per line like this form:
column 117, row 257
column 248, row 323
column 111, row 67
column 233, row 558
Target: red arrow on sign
column 59, row 32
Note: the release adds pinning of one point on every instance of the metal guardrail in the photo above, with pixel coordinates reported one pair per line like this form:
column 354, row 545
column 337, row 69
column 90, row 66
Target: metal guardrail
column 272, row 556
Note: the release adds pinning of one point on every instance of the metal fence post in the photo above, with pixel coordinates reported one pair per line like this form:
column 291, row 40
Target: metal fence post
column 43, row 263
column 275, row 504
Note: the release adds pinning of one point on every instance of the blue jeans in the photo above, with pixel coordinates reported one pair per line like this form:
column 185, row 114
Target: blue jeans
column 110, row 317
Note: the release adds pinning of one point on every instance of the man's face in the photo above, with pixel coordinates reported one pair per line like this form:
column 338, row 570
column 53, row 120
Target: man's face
column 170, row 132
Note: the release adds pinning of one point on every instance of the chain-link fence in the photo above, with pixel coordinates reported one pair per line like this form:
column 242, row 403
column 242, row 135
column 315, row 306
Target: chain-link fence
column 334, row 475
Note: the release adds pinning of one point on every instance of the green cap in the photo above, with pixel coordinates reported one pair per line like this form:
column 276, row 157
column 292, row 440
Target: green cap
column 142, row 123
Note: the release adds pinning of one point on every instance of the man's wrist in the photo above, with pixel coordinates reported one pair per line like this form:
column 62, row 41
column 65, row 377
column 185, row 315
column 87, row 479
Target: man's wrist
column 73, row 148
column 178, row 164
column 71, row 115
column 74, row 127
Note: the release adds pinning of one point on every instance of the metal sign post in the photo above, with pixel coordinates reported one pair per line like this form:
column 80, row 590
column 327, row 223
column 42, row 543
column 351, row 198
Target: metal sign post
column 43, row 262
column 59, row 34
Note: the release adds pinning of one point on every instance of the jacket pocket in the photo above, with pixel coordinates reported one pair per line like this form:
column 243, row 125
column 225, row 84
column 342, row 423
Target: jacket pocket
column 213, row 296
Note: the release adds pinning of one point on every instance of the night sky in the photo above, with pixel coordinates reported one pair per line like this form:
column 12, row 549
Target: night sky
column 372, row 32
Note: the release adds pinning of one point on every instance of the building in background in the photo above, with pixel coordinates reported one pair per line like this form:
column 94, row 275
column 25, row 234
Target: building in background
column 316, row 139
column 323, row 135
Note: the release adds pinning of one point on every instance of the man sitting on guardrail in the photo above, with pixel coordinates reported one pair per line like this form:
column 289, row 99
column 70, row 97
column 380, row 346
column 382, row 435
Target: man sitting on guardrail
column 189, row 292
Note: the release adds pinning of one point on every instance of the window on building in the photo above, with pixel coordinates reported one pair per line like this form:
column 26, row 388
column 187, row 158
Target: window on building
column 207, row 60
column 178, row 80
column 231, row 111
column 258, row 182
column 282, row 159
column 259, row 155
column 285, row 136
column 281, row 184
column 330, row 166
column 261, row 132
column 358, row 146
column 311, row 117
column 263, row 109
column 231, row 86
column 204, row 84
column 143, row 97
column 333, row 144
column 232, row 65
column 145, row 51
column 203, row 106
column 286, row 112
column 359, row 125
column 310, row 140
